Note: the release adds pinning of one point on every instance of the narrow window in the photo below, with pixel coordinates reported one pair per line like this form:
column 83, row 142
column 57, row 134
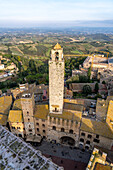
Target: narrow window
column 71, row 131
column 54, row 127
column 62, row 130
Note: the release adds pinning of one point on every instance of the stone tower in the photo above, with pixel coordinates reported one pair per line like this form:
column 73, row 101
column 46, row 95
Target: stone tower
column 27, row 103
column 56, row 80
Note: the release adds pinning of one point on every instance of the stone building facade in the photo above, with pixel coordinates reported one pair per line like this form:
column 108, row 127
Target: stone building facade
column 63, row 130
column 16, row 123
column 88, row 140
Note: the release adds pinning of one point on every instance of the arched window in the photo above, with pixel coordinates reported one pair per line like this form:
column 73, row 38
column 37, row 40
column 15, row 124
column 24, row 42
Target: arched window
column 44, row 131
column 71, row 131
column 54, row 127
column 30, row 130
column 62, row 130
column 56, row 56
column 86, row 147
column 82, row 134
column 89, row 136
column 81, row 140
column 20, row 135
column 88, row 142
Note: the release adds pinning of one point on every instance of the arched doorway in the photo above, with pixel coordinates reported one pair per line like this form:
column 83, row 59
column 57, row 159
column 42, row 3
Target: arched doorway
column 67, row 140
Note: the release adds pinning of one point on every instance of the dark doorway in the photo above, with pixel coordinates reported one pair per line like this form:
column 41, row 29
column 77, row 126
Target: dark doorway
column 67, row 140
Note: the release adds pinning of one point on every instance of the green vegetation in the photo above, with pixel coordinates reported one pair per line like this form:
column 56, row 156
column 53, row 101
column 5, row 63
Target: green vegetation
column 30, row 53
column 78, row 79
column 96, row 87
column 103, row 82
column 71, row 64
column 89, row 73
column 29, row 71
column 87, row 90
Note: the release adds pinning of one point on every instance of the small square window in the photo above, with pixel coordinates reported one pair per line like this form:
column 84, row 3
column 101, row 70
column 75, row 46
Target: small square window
column 96, row 140
column 89, row 136
column 82, row 134
column 30, row 130
column 44, row 131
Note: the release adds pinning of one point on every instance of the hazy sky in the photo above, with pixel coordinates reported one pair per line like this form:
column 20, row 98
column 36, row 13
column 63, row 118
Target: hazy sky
column 23, row 11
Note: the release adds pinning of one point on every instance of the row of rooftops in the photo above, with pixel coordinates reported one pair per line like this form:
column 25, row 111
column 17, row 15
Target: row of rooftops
column 71, row 111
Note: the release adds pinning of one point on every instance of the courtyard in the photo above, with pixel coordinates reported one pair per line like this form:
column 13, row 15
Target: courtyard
column 66, row 152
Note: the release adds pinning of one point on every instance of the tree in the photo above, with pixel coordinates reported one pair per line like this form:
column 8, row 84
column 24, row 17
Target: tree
column 83, row 79
column 98, row 96
column 87, row 89
column 89, row 73
column 96, row 87
column 32, row 65
column 103, row 82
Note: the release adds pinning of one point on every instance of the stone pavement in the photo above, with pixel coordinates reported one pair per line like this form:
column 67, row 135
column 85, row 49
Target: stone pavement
column 68, row 164
column 64, row 152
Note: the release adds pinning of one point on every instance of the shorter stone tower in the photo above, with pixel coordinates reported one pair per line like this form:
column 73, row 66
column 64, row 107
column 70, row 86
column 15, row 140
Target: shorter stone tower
column 28, row 104
column 56, row 80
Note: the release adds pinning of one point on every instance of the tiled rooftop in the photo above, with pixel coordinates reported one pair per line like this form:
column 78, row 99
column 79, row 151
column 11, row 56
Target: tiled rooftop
column 69, row 115
column 15, row 154
column 17, row 105
column 41, row 111
column 15, row 116
column 96, row 127
column 3, row 119
column 101, row 109
column 72, row 106
column 5, row 104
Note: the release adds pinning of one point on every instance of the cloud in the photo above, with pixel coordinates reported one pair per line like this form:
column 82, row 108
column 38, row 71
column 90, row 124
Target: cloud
column 52, row 10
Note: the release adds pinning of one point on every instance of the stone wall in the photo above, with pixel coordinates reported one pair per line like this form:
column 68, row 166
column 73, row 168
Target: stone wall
column 100, row 140
column 58, row 128
column 17, row 129
column 41, row 127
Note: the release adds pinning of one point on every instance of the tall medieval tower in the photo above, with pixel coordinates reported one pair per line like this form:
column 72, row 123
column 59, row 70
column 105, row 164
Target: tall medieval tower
column 56, row 80
column 28, row 104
